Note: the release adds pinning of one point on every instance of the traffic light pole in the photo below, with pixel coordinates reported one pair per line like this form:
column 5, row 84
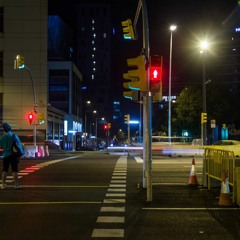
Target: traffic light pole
column 147, row 108
column 34, row 108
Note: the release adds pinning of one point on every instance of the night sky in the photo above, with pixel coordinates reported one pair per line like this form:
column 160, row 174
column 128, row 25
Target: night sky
column 195, row 20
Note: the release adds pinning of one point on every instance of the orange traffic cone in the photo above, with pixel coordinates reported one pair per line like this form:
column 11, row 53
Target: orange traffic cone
column 193, row 175
column 225, row 199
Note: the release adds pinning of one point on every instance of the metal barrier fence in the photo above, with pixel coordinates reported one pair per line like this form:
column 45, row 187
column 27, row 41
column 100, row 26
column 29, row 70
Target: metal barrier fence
column 237, row 186
column 215, row 162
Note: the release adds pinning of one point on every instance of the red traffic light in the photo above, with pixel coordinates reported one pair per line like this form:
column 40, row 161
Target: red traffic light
column 155, row 73
column 105, row 126
column 30, row 117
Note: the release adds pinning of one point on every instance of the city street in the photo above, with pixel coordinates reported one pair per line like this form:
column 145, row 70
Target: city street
column 89, row 195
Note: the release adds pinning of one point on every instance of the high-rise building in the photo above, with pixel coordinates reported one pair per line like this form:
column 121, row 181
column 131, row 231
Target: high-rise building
column 93, row 31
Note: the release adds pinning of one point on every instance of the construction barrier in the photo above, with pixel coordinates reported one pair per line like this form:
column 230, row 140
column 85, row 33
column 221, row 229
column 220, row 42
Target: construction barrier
column 35, row 151
column 29, row 151
column 217, row 161
column 237, row 186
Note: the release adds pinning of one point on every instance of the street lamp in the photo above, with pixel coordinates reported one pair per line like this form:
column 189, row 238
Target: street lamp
column 203, row 47
column 19, row 64
column 85, row 118
column 172, row 28
column 96, row 123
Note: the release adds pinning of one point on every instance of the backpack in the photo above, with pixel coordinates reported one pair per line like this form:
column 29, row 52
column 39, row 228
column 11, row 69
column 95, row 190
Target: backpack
column 17, row 147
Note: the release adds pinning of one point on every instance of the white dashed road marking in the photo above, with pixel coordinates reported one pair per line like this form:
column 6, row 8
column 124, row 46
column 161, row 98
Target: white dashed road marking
column 114, row 204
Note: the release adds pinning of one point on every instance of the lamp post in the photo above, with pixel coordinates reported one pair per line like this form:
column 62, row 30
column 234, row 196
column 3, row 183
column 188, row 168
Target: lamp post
column 203, row 47
column 19, row 64
column 96, row 125
column 85, row 118
column 172, row 28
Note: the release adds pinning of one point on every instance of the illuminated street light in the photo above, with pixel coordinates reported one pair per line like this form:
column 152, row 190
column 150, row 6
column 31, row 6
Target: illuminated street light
column 96, row 125
column 203, row 46
column 172, row 28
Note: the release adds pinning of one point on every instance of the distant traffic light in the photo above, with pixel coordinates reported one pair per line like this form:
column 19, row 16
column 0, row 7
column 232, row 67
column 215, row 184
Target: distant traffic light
column 203, row 117
column 127, row 118
column 155, row 74
column 19, row 62
column 30, row 117
column 109, row 125
column 128, row 30
column 105, row 127
column 40, row 117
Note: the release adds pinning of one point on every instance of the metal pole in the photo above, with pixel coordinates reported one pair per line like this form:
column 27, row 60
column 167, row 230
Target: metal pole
column 128, row 133
column 204, row 101
column 169, row 91
column 34, row 108
column 96, row 128
column 85, row 128
column 204, row 125
column 147, row 106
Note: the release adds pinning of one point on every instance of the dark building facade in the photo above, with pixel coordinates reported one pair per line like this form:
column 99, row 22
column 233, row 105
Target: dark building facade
column 94, row 52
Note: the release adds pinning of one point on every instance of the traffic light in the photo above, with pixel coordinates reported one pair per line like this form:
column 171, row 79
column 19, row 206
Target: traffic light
column 30, row 117
column 105, row 127
column 134, row 95
column 155, row 74
column 126, row 118
column 109, row 125
column 128, row 31
column 40, row 117
column 19, row 62
column 203, row 117
column 136, row 78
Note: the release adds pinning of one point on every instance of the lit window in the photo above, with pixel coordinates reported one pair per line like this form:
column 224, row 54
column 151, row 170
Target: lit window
column 93, row 42
column 92, row 77
column 94, row 49
column 93, row 28
column 94, row 35
column 93, row 56
column 93, row 21
column 104, row 35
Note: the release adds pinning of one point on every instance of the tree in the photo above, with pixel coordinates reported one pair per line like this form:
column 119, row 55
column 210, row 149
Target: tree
column 187, row 111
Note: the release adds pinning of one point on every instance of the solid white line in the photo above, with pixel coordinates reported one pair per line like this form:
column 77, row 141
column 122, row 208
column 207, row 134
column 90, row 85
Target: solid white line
column 61, row 186
column 170, row 184
column 192, row 209
column 46, row 203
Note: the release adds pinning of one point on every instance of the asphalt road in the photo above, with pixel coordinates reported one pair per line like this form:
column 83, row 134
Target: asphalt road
column 89, row 195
